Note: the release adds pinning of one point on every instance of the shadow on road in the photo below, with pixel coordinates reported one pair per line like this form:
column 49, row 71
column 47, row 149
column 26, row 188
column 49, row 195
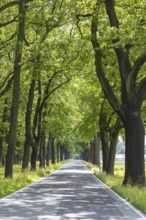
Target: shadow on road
column 70, row 193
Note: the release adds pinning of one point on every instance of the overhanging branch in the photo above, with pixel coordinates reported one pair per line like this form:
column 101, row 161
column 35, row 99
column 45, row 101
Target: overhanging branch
column 122, row 54
column 7, row 87
column 7, row 77
column 141, row 91
column 8, row 22
column 109, row 94
column 137, row 66
column 50, row 93
column 8, row 5
column 11, row 4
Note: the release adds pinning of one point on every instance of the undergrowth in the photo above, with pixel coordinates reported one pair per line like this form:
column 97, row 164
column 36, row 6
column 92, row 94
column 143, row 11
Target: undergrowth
column 134, row 194
column 20, row 180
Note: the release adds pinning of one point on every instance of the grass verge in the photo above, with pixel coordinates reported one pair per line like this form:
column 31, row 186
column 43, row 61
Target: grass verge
column 133, row 194
column 20, row 180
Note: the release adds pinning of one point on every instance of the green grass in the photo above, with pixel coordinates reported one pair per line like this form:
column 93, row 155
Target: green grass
column 134, row 194
column 19, row 180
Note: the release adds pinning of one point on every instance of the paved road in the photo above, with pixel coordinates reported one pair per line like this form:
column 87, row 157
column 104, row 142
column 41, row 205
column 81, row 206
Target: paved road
column 70, row 193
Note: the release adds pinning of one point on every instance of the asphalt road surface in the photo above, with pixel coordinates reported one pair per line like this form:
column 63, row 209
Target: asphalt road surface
column 70, row 193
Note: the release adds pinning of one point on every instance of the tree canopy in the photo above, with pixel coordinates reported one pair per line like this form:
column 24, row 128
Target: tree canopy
column 59, row 61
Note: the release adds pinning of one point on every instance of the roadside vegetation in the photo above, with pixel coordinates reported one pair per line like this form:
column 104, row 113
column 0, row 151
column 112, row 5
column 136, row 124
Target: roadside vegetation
column 20, row 180
column 133, row 194
column 74, row 68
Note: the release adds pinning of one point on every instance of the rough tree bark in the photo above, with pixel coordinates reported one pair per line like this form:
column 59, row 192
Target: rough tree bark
column 28, row 131
column 134, row 151
column 61, row 152
column 91, row 152
column 86, row 155
column 48, row 150
column 3, row 137
column 53, row 151
column 36, row 131
column 104, row 140
column 42, row 150
column 58, row 152
column 114, row 133
column 132, row 96
column 1, row 149
column 16, row 93
column 96, row 149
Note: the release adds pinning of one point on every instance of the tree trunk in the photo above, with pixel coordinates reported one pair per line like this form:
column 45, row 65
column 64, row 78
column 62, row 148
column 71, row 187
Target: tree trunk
column 18, row 153
column 53, row 151
column 34, row 154
column 85, row 155
column 67, row 154
column 28, row 135
column 3, row 137
column 132, row 94
column 104, row 140
column 48, row 150
column 112, row 152
column 91, row 152
column 44, row 150
column 96, row 154
column 134, row 152
column 1, row 150
column 16, row 94
column 61, row 153
column 36, row 130
column 114, row 133
column 58, row 152
column 41, row 150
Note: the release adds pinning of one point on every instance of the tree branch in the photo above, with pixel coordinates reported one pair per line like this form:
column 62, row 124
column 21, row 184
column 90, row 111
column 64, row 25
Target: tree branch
column 109, row 94
column 8, row 22
column 13, row 35
column 26, row 42
column 138, row 64
column 7, row 86
column 50, row 81
column 50, row 93
column 78, row 21
column 46, row 32
column 61, row 4
column 8, row 5
column 141, row 91
column 54, row 7
column 122, row 55
column 1, row 86
column 11, row 4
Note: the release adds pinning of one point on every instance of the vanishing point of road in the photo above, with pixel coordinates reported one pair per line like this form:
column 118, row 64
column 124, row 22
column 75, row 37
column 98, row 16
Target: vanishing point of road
column 70, row 193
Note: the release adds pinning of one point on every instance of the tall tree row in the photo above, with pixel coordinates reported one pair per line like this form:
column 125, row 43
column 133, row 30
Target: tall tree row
column 16, row 90
column 61, row 62
column 117, row 37
column 132, row 93
column 39, row 66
